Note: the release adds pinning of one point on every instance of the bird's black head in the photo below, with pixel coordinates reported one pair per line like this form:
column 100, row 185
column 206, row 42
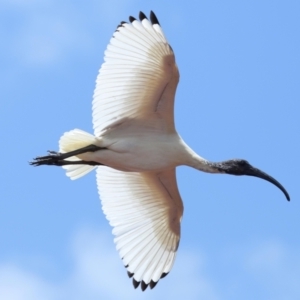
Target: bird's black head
column 235, row 167
column 242, row 167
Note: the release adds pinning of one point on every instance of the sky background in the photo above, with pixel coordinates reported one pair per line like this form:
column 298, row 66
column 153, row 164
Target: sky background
column 238, row 97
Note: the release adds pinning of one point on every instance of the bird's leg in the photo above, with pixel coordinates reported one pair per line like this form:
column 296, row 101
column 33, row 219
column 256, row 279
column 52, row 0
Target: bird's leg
column 64, row 162
column 58, row 159
column 89, row 148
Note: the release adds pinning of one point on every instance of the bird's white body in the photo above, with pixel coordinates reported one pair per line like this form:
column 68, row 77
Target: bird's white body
column 139, row 146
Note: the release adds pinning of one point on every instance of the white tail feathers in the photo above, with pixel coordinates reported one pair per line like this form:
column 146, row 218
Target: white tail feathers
column 73, row 140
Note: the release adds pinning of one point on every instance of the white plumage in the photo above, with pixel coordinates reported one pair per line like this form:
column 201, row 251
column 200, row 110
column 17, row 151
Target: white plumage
column 137, row 147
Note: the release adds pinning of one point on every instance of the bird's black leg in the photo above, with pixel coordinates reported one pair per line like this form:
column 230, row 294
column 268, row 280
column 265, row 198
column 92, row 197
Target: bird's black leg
column 64, row 162
column 89, row 148
column 58, row 159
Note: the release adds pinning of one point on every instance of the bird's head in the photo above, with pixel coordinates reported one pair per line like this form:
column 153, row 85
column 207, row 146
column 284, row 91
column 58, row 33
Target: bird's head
column 235, row 167
column 242, row 167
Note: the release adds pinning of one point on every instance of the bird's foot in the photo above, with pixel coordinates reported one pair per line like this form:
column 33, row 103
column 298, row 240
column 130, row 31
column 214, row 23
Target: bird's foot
column 53, row 159
column 58, row 159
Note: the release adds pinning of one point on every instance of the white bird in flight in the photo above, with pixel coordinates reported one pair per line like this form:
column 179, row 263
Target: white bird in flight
column 136, row 148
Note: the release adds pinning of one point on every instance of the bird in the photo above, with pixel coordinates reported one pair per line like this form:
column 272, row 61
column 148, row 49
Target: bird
column 136, row 149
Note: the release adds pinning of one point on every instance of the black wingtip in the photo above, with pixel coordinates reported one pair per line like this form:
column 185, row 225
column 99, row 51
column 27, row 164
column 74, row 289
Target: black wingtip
column 121, row 25
column 135, row 283
column 153, row 18
column 163, row 275
column 129, row 274
column 143, row 285
column 142, row 16
column 153, row 284
column 132, row 19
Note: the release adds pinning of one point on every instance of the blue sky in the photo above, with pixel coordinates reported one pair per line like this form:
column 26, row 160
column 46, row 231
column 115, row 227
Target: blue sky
column 238, row 97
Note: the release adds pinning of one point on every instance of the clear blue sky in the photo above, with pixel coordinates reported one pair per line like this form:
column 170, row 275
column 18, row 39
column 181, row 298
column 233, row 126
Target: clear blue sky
column 238, row 97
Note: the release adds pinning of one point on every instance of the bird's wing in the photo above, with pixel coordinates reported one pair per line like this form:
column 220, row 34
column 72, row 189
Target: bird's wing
column 139, row 76
column 145, row 210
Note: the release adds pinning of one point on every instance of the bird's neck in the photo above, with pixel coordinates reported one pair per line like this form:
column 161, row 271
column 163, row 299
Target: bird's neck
column 197, row 162
column 204, row 165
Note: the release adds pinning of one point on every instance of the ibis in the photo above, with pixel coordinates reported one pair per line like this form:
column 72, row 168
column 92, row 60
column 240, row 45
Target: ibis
column 135, row 149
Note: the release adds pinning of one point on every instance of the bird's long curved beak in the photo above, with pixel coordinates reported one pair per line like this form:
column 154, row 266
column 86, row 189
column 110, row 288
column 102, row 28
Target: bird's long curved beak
column 260, row 174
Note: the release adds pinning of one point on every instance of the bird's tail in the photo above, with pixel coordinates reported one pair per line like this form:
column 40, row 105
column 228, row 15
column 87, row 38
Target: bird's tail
column 73, row 140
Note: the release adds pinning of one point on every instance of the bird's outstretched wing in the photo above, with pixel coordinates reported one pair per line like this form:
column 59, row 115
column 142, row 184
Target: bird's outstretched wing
column 145, row 210
column 139, row 76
